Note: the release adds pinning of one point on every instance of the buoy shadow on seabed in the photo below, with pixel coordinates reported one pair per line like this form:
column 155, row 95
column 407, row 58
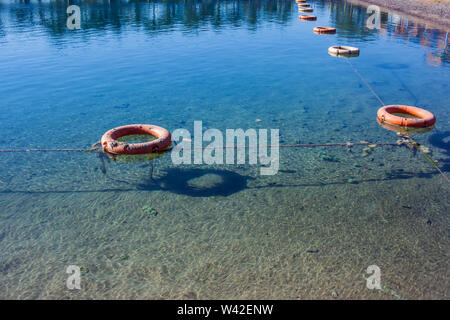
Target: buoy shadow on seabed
column 196, row 182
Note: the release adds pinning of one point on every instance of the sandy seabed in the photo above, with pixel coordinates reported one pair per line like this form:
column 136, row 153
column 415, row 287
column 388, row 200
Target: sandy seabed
column 305, row 233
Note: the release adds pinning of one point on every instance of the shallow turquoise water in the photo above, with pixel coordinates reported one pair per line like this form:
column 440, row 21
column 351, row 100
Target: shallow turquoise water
column 222, row 231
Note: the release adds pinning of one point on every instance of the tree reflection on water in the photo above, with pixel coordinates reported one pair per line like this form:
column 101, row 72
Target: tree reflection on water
column 155, row 17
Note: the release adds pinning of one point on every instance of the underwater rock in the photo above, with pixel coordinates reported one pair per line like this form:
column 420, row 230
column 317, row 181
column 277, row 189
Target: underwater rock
column 286, row 171
column 368, row 150
column 190, row 295
column 149, row 210
column 109, row 255
column 84, row 269
column 325, row 157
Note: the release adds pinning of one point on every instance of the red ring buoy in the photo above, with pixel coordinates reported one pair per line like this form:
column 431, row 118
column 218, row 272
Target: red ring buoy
column 426, row 118
column 110, row 144
column 305, row 10
column 404, row 130
column 308, row 18
column 324, row 30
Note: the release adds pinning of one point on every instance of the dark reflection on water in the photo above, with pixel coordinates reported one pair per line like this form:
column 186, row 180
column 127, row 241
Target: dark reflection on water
column 153, row 16
column 156, row 17
column 350, row 22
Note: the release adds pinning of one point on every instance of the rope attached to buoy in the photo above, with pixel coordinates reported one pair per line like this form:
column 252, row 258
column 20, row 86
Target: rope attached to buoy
column 407, row 139
column 48, row 150
column 309, row 145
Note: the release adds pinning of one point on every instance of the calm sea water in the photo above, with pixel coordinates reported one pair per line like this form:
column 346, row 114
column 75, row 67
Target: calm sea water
column 152, row 230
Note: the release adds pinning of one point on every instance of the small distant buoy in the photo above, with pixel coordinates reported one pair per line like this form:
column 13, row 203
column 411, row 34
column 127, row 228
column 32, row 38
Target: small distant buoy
column 304, row 5
column 305, row 10
column 324, row 30
column 343, row 51
column 110, row 143
column 308, row 18
column 422, row 118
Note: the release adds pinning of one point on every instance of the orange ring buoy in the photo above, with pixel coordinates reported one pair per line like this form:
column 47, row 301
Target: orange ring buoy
column 308, row 18
column 304, row 5
column 305, row 10
column 404, row 130
column 300, row 1
column 425, row 118
column 110, row 144
column 324, row 30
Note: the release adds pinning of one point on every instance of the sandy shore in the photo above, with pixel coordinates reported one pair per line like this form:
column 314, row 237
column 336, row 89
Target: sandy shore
column 433, row 12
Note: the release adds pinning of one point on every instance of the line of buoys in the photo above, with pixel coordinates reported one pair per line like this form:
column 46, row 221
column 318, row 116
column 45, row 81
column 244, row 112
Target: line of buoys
column 324, row 30
column 338, row 51
column 345, row 51
column 416, row 120
column 304, row 7
column 308, row 18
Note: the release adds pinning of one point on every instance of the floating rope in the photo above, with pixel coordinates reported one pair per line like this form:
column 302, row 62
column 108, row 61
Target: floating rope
column 365, row 82
column 308, row 145
column 408, row 141
column 48, row 150
column 403, row 142
column 424, row 151
column 347, row 144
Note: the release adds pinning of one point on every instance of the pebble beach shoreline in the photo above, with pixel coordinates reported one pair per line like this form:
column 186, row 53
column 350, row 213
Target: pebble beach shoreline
column 433, row 12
